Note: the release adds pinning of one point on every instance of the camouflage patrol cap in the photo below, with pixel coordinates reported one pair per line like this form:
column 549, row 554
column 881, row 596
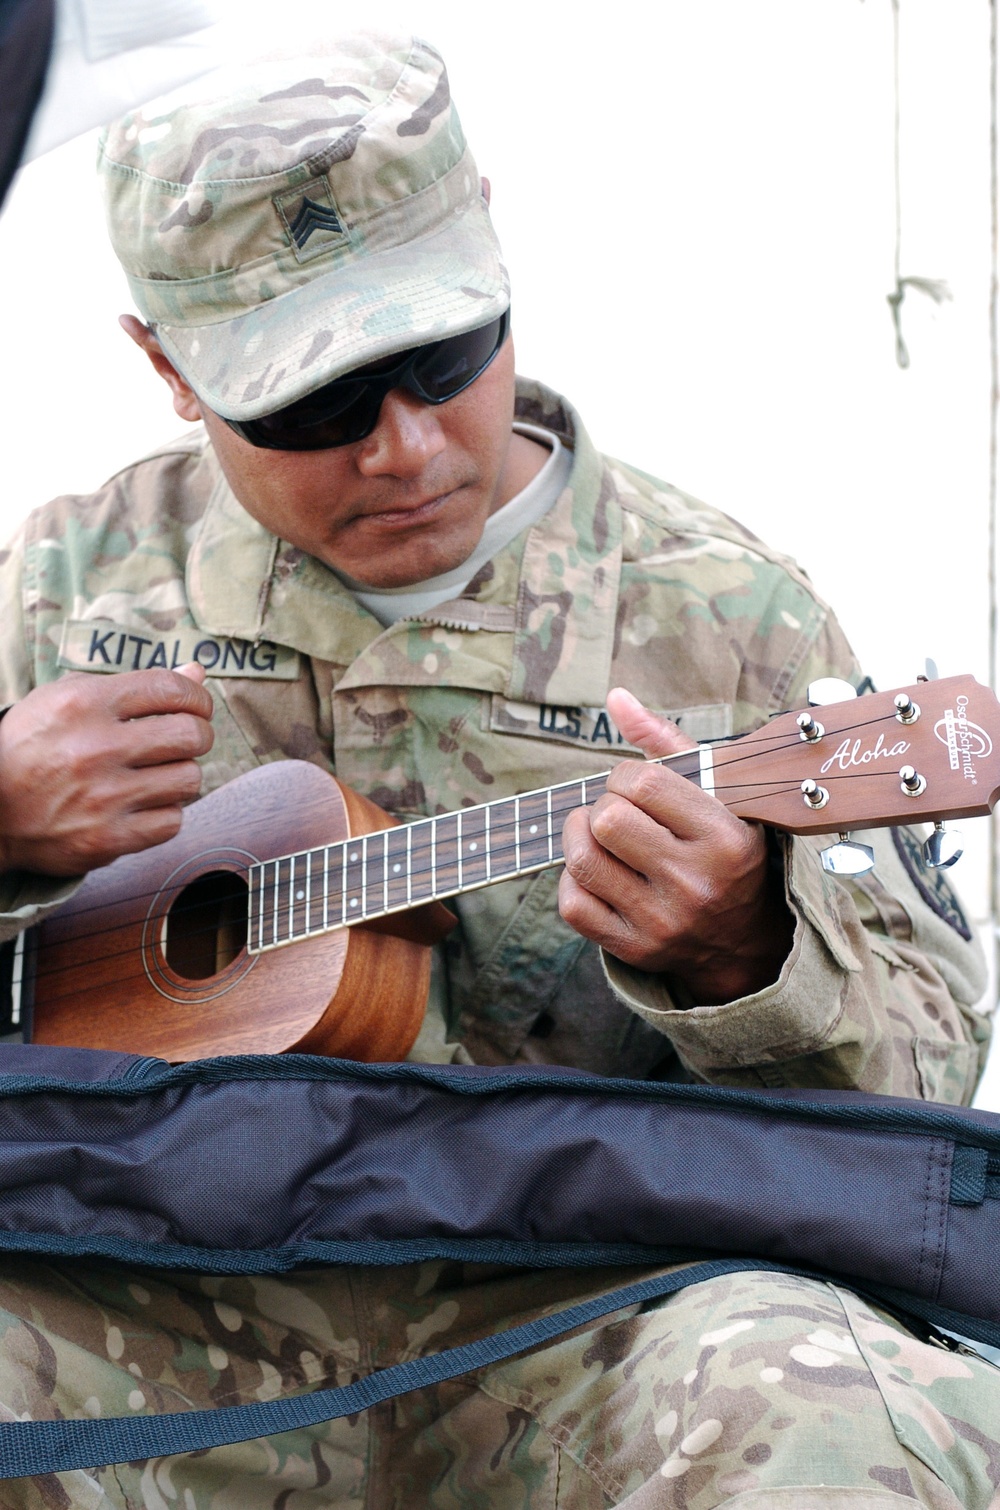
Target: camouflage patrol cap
column 284, row 223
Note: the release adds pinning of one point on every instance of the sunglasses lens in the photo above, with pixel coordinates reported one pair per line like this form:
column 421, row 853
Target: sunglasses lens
column 347, row 409
column 332, row 417
column 453, row 364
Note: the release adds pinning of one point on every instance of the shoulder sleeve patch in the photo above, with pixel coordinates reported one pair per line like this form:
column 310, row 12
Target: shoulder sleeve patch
column 932, row 885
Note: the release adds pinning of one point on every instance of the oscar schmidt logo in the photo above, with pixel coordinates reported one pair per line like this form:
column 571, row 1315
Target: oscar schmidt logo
column 966, row 742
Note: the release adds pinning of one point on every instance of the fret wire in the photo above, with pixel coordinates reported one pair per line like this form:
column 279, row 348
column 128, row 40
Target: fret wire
column 517, row 834
column 559, row 800
column 553, row 810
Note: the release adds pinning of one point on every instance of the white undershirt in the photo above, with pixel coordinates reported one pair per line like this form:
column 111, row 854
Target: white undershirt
column 520, row 512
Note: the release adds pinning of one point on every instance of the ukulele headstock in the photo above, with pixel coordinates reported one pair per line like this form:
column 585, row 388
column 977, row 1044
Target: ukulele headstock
column 915, row 754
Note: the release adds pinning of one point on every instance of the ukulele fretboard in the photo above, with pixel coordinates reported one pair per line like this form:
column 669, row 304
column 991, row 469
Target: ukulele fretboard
column 359, row 879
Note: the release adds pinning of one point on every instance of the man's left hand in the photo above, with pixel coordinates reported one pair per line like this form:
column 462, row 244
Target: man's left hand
column 664, row 877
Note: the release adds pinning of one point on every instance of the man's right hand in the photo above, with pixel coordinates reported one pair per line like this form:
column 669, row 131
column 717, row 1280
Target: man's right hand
column 94, row 767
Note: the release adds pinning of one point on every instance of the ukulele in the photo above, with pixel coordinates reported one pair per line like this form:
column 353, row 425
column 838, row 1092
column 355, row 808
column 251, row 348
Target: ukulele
column 290, row 913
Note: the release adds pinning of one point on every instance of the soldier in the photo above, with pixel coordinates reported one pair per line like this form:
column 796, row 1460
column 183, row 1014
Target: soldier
column 381, row 555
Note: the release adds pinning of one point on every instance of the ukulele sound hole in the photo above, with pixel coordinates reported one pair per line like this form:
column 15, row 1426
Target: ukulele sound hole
column 206, row 928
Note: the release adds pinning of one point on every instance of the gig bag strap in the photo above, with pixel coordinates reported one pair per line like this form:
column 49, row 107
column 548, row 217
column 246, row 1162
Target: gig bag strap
column 30, row 1448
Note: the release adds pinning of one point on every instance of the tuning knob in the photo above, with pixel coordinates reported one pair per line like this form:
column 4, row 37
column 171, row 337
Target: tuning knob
column 907, row 711
column 830, row 689
column 847, row 857
column 911, row 782
column 809, row 729
column 942, row 848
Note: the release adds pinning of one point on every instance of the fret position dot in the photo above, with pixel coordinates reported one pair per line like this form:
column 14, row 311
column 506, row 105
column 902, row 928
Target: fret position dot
column 300, row 896
column 354, row 901
column 396, row 868
column 355, row 855
column 533, row 829
column 473, row 845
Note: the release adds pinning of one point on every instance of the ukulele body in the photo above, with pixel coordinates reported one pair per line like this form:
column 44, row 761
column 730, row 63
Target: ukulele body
column 149, row 956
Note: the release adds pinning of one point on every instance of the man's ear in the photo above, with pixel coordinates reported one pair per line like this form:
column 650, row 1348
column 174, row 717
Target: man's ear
column 485, row 186
column 186, row 404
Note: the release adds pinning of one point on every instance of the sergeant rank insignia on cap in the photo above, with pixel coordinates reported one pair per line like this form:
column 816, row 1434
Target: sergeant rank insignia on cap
column 313, row 217
column 310, row 218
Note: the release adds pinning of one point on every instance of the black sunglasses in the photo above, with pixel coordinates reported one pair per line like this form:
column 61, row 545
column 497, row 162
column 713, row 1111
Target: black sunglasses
column 347, row 409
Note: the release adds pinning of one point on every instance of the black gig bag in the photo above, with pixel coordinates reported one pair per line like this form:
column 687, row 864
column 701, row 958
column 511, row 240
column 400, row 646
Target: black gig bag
column 259, row 1165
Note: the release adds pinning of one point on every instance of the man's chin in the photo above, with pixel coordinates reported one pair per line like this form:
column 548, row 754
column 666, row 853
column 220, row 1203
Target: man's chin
column 387, row 570
column 384, row 579
column 391, row 558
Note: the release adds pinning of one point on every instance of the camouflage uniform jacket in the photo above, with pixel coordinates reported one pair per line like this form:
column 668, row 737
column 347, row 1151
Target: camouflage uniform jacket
column 625, row 581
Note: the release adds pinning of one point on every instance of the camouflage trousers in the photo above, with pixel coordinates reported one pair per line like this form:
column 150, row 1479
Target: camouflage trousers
column 752, row 1391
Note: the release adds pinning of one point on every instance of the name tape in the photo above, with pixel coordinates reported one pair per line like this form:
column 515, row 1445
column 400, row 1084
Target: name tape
column 96, row 645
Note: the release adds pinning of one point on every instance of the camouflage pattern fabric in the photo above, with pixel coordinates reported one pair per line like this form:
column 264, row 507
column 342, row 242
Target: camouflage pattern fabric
column 322, row 205
column 749, row 1391
column 503, row 690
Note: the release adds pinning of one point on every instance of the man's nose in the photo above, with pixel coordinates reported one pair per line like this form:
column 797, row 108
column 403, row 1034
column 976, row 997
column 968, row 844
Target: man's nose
column 408, row 436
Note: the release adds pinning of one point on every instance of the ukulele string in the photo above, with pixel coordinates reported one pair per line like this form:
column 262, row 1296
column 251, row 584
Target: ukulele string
column 726, row 765
column 498, row 852
column 282, row 913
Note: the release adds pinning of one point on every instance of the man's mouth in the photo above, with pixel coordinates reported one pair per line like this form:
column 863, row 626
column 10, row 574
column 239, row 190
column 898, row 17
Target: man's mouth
column 410, row 513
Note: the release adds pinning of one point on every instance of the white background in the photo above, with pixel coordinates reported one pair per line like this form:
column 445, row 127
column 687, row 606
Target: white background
column 696, row 204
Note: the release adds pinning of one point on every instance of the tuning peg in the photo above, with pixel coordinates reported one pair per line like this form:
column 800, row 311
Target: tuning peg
column 811, row 731
column 911, row 782
column 829, row 689
column 942, row 847
column 847, row 857
column 907, row 711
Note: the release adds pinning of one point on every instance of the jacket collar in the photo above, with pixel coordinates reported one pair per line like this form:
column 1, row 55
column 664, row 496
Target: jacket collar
column 537, row 625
